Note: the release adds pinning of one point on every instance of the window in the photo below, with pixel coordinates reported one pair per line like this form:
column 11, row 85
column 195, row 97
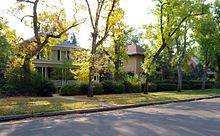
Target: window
column 38, row 56
column 68, row 55
column 58, row 55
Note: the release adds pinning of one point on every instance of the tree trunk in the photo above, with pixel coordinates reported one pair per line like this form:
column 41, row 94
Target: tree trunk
column 91, row 65
column 180, row 77
column 91, row 76
column 146, row 86
column 218, row 85
column 27, row 69
column 204, row 77
column 117, row 63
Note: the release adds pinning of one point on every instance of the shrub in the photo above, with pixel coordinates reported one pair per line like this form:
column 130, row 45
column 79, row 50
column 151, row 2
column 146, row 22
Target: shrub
column 127, row 85
column 131, row 87
column 97, row 88
column 37, row 86
column 111, row 86
column 135, row 88
column 119, row 88
column 84, row 87
column 108, row 86
column 70, row 90
column 166, row 87
column 152, row 87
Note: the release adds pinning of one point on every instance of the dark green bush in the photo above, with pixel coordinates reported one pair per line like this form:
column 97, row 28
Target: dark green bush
column 108, row 86
column 36, row 86
column 111, row 87
column 127, row 86
column 70, row 90
column 152, row 87
column 84, row 87
column 166, row 87
column 133, row 87
column 165, row 82
column 119, row 88
column 97, row 88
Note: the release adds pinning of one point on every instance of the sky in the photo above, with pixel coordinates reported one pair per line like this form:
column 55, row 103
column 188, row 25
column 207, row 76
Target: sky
column 136, row 14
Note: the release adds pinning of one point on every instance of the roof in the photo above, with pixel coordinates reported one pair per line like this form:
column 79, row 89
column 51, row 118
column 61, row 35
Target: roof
column 135, row 50
column 67, row 44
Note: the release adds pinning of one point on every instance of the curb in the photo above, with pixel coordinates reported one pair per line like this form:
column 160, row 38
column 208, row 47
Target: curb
column 94, row 110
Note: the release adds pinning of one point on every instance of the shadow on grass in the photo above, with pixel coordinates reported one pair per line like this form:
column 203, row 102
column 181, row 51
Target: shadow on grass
column 169, row 120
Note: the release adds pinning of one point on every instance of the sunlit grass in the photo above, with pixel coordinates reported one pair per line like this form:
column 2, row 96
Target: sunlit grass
column 25, row 105
column 122, row 99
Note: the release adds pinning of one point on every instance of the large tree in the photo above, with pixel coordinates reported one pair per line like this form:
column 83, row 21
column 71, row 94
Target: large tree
column 8, row 42
column 171, row 15
column 103, row 14
column 47, row 25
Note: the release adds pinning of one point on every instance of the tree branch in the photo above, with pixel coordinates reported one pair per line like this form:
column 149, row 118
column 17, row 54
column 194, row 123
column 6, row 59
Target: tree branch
column 107, row 24
column 26, row 16
column 90, row 14
column 59, row 35
column 174, row 31
column 35, row 23
column 27, row 1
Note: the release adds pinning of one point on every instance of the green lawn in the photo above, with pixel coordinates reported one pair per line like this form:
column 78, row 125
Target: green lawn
column 22, row 105
column 123, row 99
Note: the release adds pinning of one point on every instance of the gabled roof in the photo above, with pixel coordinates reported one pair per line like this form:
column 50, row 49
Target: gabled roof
column 67, row 44
column 135, row 50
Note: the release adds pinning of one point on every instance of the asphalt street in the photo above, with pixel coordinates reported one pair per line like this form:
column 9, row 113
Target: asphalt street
column 199, row 118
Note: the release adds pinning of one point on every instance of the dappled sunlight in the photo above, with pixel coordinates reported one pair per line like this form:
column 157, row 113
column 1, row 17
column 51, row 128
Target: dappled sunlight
column 133, row 98
column 13, row 106
column 39, row 103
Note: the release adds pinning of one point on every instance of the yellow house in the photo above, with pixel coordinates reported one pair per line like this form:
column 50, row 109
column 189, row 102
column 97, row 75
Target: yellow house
column 59, row 54
column 135, row 59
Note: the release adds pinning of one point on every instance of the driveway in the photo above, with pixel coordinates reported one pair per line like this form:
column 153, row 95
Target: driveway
column 200, row 118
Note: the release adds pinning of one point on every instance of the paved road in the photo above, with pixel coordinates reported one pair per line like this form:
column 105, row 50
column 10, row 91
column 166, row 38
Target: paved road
column 201, row 118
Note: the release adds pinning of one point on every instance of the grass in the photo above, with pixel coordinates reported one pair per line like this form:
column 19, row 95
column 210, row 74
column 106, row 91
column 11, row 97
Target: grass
column 24, row 105
column 123, row 99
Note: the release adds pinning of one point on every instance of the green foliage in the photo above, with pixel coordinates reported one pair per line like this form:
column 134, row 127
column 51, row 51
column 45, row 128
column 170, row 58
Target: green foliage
column 84, row 87
column 135, row 88
column 97, row 88
column 37, row 86
column 108, row 86
column 166, row 87
column 70, row 90
column 111, row 87
column 152, row 87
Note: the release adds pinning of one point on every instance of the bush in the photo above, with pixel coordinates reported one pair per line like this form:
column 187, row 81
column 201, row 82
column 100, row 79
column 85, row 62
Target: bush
column 37, row 86
column 119, row 88
column 166, row 87
column 135, row 88
column 70, row 90
column 152, row 87
column 108, row 86
column 131, row 87
column 127, row 85
column 111, row 86
column 84, row 87
column 165, row 82
column 97, row 88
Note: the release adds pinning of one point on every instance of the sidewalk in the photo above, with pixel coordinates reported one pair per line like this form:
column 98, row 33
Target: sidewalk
column 84, row 100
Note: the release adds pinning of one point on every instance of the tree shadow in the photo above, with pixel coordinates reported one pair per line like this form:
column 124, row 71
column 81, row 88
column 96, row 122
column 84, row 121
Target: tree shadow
column 164, row 120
